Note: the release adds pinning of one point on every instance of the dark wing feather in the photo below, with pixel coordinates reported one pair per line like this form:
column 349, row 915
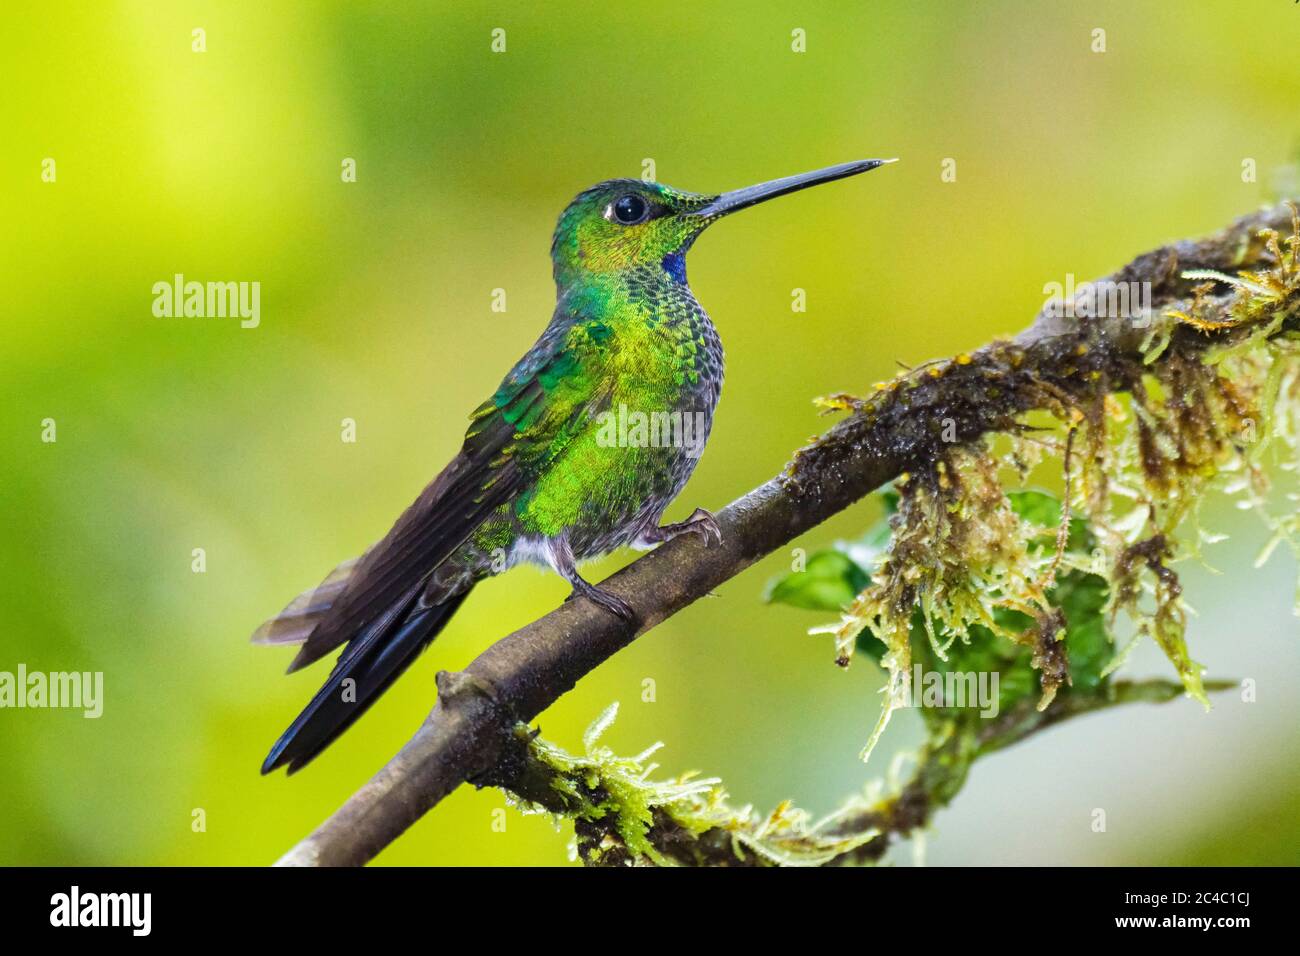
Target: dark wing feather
column 428, row 532
column 536, row 402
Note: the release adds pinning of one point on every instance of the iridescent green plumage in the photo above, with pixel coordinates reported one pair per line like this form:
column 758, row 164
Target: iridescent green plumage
column 549, row 472
column 626, row 332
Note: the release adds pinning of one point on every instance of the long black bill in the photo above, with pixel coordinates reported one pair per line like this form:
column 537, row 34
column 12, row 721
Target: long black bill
column 753, row 195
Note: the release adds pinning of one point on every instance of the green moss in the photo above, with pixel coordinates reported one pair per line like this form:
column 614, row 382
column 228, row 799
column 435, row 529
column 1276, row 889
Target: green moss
column 624, row 817
column 974, row 573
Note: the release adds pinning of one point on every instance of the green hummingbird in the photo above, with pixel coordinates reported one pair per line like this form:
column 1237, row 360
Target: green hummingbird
column 589, row 438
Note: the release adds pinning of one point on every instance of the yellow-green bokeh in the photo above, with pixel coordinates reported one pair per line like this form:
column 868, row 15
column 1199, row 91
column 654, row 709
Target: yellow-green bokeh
column 175, row 434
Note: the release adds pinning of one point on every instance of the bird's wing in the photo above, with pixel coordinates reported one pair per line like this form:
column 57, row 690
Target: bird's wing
column 540, row 405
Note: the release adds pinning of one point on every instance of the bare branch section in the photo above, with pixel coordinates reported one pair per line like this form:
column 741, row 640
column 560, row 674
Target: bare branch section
column 1059, row 360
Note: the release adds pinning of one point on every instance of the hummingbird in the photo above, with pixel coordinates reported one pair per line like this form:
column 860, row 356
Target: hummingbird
column 542, row 476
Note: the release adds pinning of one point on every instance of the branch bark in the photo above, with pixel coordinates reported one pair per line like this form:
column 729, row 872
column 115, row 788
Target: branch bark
column 468, row 731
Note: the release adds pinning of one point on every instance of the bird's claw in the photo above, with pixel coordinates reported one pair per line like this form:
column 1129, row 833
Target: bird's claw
column 700, row 523
column 606, row 599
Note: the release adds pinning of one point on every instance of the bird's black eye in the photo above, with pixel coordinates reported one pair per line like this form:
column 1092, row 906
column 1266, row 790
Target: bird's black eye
column 630, row 209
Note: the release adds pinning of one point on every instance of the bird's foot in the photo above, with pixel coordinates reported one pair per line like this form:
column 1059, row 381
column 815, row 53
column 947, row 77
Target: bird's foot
column 700, row 522
column 608, row 600
column 567, row 568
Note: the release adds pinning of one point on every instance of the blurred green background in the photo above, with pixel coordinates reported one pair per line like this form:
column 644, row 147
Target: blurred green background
column 175, row 434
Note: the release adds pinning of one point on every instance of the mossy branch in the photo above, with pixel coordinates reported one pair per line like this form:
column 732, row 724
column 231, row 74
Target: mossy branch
column 621, row 817
column 1207, row 297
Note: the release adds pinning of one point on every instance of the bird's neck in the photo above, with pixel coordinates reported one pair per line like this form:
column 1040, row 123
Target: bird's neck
column 657, row 293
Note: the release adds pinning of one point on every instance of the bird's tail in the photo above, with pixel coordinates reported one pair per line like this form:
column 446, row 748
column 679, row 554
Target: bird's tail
column 369, row 663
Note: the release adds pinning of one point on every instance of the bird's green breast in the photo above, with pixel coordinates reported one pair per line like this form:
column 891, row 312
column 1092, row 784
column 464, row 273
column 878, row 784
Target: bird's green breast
column 642, row 357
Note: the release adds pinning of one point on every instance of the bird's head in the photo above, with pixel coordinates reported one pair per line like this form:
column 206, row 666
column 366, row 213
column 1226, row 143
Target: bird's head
column 623, row 224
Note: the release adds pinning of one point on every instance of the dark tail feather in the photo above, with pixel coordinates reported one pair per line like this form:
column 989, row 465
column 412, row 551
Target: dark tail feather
column 373, row 659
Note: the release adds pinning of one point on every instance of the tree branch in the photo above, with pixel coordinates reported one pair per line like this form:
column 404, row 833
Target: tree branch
column 895, row 431
column 689, row 822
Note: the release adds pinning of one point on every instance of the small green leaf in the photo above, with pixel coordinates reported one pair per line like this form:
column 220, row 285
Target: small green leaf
column 1036, row 507
column 830, row 580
